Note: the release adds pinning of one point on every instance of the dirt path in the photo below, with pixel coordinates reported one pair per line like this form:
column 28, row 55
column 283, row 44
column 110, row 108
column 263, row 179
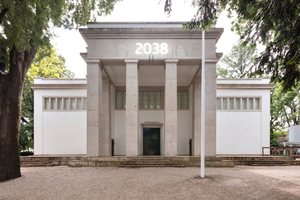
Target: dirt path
column 241, row 182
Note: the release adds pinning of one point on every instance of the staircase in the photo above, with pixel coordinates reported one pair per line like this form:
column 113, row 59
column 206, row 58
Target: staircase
column 36, row 163
column 150, row 162
column 269, row 163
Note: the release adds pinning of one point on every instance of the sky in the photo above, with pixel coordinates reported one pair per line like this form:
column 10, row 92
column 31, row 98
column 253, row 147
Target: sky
column 70, row 44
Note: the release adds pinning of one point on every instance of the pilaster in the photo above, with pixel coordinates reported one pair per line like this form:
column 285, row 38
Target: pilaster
column 197, row 118
column 94, row 107
column 132, row 95
column 210, row 109
column 105, row 136
column 171, row 108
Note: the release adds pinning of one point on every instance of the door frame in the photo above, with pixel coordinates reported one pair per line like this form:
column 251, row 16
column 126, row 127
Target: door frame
column 152, row 125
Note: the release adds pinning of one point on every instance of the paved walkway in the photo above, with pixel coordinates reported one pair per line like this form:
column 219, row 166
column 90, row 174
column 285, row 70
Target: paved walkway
column 240, row 182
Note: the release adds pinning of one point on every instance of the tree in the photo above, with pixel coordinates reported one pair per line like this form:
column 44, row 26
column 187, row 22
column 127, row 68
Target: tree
column 48, row 64
column 275, row 24
column 238, row 62
column 26, row 26
column 285, row 110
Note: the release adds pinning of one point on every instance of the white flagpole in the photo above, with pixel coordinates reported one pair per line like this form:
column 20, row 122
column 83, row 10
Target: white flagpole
column 203, row 107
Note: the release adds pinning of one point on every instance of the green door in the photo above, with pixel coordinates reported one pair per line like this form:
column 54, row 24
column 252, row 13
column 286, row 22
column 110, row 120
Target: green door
column 151, row 141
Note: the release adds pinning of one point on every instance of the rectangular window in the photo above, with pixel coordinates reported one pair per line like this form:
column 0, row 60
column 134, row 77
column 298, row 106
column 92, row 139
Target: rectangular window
column 47, row 103
column 73, row 104
column 151, row 100
column 145, row 100
column 218, row 103
column 237, row 103
column 244, row 103
column 179, row 100
column 66, row 103
column 124, row 100
column 84, row 103
column 224, row 103
column 59, row 104
column 185, row 99
column 231, row 103
column 53, row 103
column 79, row 107
column 250, row 103
column 158, row 99
column 182, row 99
column 257, row 104
column 119, row 100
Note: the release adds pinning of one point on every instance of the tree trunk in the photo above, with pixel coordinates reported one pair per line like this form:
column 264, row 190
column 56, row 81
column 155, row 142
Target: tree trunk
column 11, row 88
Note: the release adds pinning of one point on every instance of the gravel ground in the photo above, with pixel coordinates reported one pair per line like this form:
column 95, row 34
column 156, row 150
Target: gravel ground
column 240, row 182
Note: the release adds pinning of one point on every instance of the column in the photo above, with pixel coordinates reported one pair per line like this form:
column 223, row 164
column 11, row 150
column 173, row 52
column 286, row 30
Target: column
column 105, row 137
column 171, row 108
column 197, row 118
column 132, row 109
column 210, row 112
column 94, row 107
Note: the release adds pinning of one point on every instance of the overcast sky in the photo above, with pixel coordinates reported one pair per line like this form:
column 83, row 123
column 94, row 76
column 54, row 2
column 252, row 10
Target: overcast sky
column 70, row 43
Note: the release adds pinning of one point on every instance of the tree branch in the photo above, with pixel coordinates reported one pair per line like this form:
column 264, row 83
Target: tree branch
column 3, row 12
column 24, row 120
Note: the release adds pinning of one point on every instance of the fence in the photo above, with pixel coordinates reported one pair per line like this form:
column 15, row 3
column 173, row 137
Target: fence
column 281, row 151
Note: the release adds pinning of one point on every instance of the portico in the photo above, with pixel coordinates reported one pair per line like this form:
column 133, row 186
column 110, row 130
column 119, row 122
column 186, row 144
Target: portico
column 147, row 73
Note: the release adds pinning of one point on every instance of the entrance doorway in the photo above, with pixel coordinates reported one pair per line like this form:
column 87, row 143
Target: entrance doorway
column 151, row 141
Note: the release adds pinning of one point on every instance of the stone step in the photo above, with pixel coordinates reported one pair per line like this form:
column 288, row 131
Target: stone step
column 37, row 165
column 268, row 164
column 138, row 166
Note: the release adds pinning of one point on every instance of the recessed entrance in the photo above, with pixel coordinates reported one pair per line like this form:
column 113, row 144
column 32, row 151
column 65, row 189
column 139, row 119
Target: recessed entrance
column 151, row 141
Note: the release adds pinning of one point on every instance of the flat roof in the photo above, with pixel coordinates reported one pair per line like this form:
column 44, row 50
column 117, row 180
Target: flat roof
column 137, row 24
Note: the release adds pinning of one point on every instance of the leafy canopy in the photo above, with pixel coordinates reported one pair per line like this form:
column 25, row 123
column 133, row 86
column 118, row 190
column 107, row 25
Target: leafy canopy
column 47, row 64
column 238, row 62
column 274, row 23
column 27, row 23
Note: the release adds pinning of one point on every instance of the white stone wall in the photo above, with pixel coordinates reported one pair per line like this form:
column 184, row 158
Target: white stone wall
column 59, row 132
column 151, row 116
column 243, row 132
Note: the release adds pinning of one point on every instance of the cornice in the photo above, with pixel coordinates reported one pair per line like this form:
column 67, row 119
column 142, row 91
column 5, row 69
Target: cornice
column 149, row 33
column 58, row 86
column 245, row 86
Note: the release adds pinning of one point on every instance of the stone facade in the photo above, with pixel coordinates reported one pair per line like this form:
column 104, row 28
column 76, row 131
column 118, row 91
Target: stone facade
column 121, row 49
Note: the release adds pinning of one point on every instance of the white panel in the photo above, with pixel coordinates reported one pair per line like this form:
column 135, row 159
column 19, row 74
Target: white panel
column 64, row 132
column 243, row 132
column 183, row 132
column 238, row 133
column 42, row 125
column 120, row 133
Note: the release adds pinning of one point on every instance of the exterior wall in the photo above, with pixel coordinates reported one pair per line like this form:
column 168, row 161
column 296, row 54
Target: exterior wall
column 152, row 116
column 59, row 132
column 243, row 132
column 183, row 132
column 120, row 133
column 120, row 48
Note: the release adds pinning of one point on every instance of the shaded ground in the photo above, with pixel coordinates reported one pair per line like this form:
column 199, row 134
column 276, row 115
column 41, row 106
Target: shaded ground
column 240, row 182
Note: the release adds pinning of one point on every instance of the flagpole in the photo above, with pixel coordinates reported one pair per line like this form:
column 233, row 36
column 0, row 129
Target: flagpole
column 202, row 163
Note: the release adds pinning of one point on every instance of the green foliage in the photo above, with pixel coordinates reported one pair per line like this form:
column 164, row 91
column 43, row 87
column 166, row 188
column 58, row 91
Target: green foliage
column 285, row 109
column 47, row 64
column 274, row 142
column 238, row 62
column 276, row 24
column 27, row 24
